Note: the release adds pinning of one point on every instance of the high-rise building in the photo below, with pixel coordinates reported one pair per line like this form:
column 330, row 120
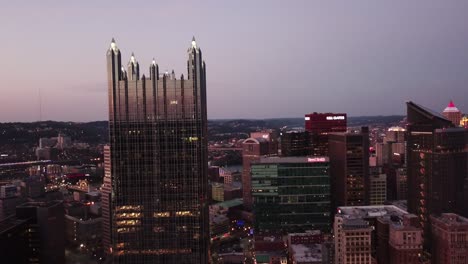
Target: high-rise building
column 158, row 192
column 401, row 184
column 319, row 125
column 349, row 166
column 252, row 150
column 295, row 143
column 395, row 134
column 383, row 153
column 291, row 194
column 217, row 191
column 452, row 113
column 44, row 231
column 377, row 187
column 106, row 191
column 352, row 241
column 271, row 136
column 437, row 166
column 450, row 239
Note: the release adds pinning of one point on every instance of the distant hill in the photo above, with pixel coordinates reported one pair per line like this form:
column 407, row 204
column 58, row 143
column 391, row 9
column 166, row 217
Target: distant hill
column 28, row 134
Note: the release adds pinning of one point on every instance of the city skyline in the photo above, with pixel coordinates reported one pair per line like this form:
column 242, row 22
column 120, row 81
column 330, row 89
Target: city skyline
column 329, row 57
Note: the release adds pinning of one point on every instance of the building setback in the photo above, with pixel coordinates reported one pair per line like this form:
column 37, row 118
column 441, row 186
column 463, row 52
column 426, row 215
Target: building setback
column 291, row 194
column 155, row 195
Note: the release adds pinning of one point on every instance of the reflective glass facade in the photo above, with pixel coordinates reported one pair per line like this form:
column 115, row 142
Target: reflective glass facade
column 155, row 194
column 437, row 166
column 291, row 194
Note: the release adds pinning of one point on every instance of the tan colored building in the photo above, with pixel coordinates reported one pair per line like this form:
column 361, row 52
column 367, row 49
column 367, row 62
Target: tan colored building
column 450, row 239
column 217, row 191
column 352, row 241
column 378, row 189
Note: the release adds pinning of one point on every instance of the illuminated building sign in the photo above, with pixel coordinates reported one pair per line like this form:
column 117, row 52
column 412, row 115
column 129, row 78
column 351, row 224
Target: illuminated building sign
column 319, row 159
column 307, row 118
column 335, row 117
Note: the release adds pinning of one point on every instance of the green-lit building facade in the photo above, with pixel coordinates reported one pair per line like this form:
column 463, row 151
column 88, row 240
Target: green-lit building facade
column 291, row 194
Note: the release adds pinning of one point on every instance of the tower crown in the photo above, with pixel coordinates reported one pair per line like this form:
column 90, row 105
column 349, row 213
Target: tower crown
column 194, row 43
column 113, row 46
column 132, row 59
column 451, row 107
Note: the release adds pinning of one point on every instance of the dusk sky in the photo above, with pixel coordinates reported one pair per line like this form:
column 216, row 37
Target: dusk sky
column 265, row 59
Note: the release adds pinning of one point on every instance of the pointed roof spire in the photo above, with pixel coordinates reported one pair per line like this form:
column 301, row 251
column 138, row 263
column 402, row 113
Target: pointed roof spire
column 451, row 104
column 153, row 62
column 194, row 43
column 113, row 45
column 132, row 58
column 451, row 107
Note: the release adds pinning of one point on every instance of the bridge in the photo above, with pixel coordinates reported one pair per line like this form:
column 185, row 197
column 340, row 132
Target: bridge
column 223, row 149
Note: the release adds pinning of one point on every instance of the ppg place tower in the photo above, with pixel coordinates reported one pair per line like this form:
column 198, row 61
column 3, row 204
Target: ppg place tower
column 155, row 204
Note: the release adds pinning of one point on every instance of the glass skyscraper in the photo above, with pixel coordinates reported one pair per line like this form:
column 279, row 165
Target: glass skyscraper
column 291, row 194
column 155, row 186
column 437, row 166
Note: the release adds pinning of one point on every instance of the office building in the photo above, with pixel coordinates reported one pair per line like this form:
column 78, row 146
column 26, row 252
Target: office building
column 402, row 184
column 35, row 234
column 156, row 202
column 437, row 166
column 83, row 224
column 377, row 187
column 378, row 218
column 395, row 134
column 352, row 241
column 291, row 194
column 399, row 240
column 252, row 150
column 15, row 239
column 269, row 135
column 319, row 125
column 450, row 239
column 452, row 113
column 349, row 166
column 383, row 153
column 217, row 191
column 295, row 143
